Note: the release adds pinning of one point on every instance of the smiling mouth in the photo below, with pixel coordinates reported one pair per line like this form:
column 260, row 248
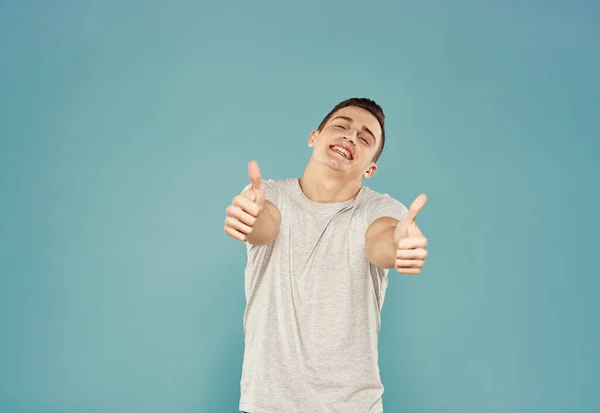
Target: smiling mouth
column 341, row 151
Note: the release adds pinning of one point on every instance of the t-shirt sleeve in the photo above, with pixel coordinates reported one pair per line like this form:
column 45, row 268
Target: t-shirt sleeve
column 387, row 206
column 271, row 191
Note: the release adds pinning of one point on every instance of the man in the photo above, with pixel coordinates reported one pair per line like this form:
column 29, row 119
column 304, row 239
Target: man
column 319, row 251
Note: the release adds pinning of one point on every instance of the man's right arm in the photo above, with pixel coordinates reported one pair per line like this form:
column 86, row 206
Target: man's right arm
column 266, row 227
column 250, row 217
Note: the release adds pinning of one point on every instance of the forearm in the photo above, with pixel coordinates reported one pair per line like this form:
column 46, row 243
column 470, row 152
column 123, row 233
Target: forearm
column 380, row 248
column 266, row 228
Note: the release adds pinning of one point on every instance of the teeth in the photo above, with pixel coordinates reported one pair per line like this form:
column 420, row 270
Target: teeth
column 342, row 151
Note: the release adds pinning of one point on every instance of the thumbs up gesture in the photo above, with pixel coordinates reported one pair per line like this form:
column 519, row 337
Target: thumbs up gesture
column 242, row 214
column 411, row 245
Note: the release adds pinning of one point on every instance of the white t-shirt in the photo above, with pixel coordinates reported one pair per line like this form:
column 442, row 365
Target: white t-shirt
column 312, row 318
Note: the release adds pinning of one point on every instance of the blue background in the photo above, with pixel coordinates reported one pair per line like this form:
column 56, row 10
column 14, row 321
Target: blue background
column 126, row 128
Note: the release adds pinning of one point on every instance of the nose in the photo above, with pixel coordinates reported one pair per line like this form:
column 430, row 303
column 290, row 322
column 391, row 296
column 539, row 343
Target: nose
column 350, row 136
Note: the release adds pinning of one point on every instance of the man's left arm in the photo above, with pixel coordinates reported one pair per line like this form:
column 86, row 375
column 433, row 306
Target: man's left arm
column 400, row 244
column 380, row 248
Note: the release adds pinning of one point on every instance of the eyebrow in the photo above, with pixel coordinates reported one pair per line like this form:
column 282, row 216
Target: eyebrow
column 352, row 121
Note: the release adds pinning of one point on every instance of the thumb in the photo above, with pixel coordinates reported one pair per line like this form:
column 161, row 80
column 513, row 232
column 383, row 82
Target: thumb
column 254, row 174
column 415, row 208
column 256, row 181
column 408, row 221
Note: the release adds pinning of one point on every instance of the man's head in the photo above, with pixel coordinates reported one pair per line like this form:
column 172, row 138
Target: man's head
column 356, row 127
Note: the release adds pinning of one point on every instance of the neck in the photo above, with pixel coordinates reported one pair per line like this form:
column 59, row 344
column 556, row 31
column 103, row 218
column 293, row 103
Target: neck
column 327, row 186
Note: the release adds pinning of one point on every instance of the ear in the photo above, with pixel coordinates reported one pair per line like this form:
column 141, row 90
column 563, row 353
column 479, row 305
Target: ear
column 312, row 137
column 371, row 171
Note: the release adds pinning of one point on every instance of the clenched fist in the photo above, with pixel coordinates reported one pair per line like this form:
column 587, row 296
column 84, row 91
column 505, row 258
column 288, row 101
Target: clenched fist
column 245, row 208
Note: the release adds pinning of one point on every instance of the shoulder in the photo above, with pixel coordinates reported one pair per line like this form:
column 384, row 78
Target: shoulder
column 377, row 205
column 370, row 198
column 278, row 185
column 282, row 183
column 275, row 184
column 278, row 189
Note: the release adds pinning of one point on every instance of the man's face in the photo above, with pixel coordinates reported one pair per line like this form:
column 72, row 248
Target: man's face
column 348, row 142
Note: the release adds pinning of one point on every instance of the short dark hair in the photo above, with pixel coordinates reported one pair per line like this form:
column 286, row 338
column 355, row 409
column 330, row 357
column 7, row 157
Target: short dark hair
column 367, row 104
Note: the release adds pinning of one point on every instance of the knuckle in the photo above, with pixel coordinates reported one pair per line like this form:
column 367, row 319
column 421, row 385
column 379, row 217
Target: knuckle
column 235, row 211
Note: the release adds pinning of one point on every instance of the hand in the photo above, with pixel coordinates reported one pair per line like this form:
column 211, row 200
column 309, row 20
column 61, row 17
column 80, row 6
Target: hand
column 245, row 208
column 411, row 245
